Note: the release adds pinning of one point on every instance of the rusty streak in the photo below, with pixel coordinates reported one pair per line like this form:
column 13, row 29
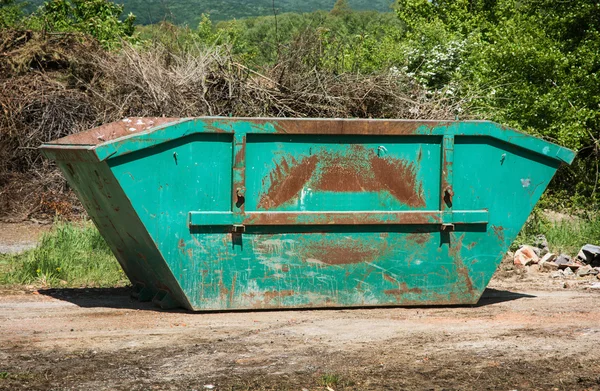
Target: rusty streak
column 333, row 255
column 499, row 231
column 349, row 126
column 401, row 291
column 114, row 130
column 344, row 251
column 342, row 218
column 270, row 295
column 389, row 278
column 239, row 168
column 286, row 181
column 232, row 290
column 461, row 269
column 419, row 237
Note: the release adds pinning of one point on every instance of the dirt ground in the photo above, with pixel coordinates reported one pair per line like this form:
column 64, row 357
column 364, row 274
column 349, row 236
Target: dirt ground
column 528, row 332
column 19, row 237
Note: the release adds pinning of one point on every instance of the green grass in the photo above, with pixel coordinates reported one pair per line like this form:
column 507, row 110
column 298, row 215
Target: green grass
column 329, row 379
column 69, row 255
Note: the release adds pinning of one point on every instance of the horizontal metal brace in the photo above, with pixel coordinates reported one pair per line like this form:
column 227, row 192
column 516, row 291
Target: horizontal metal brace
column 210, row 218
column 336, row 218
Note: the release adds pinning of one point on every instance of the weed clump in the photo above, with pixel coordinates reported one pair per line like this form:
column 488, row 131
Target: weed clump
column 70, row 255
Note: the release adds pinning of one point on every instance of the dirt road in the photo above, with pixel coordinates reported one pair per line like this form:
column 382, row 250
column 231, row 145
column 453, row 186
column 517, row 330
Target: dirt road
column 103, row 340
column 15, row 238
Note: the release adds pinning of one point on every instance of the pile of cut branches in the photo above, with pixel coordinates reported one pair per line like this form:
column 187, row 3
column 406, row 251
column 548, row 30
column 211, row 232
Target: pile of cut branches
column 52, row 86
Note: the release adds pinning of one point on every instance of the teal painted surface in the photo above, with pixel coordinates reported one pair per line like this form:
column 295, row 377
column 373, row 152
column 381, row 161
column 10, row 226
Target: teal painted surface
column 215, row 214
column 112, row 213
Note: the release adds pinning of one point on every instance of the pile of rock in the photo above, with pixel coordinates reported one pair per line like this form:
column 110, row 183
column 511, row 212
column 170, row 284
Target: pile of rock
column 538, row 258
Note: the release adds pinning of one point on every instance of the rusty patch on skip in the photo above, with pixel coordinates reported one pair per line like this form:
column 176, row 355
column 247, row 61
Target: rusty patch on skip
column 333, row 255
column 224, row 292
column 461, row 269
column 464, row 273
column 399, row 178
column 402, row 290
column 226, row 126
column 499, row 231
column 345, row 251
column 350, row 126
column 114, row 130
column 419, row 238
column 270, row 295
column 287, row 180
column 240, row 154
column 232, row 290
column 389, row 278
column 357, row 170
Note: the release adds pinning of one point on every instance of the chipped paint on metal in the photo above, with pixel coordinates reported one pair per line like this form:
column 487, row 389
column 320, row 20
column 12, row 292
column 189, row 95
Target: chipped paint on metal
column 288, row 180
column 359, row 170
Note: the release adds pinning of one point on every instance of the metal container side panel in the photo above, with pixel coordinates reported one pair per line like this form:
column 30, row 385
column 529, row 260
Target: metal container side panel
column 111, row 212
column 506, row 180
column 163, row 184
column 283, row 266
column 346, row 266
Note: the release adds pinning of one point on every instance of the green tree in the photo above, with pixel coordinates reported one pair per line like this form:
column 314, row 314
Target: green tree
column 341, row 8
column 98, row 18
column 206, row 29
column 10, row 13
column 531, row 64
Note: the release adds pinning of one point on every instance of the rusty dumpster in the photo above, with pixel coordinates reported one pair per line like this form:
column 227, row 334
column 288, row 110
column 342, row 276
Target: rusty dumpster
column 220, row 213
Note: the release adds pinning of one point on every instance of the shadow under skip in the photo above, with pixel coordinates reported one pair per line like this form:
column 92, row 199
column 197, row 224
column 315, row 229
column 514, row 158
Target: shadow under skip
column 120, row 298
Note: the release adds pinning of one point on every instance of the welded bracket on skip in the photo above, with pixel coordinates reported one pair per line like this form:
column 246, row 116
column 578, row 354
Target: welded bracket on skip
column 239, row 177
column 447, row 190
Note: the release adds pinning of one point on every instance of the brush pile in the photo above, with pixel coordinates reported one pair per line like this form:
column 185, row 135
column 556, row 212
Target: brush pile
column 55, row 85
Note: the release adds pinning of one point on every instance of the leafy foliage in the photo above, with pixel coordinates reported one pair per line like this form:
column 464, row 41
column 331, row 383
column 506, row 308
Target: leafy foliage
column 533, row 64
column 355, row 41
column 99, row 18
column 10, row 13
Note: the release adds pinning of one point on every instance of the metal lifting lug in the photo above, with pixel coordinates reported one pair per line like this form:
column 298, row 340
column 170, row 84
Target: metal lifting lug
column 239, row 228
